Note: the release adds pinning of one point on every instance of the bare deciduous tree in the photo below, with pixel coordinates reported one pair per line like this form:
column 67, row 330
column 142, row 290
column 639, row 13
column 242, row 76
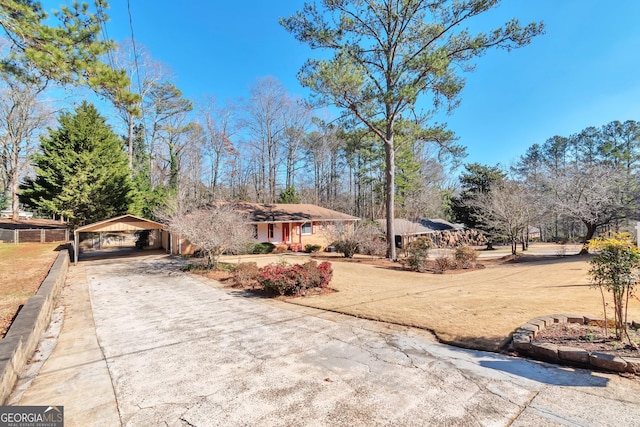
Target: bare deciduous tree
column 22, row 117
column 505, row 211
column 213, row 230
column 266, row 123
column 589, row 194
column 219, row 126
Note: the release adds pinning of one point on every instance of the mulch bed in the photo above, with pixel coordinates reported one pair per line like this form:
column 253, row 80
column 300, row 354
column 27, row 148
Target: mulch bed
column 431, row 266
column 590, row 338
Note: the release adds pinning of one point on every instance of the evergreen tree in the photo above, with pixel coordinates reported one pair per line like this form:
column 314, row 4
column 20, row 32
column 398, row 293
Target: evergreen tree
column 289, row 195
column 82, row 170
column 476, row 180
column 65, row 46
column 381, row 57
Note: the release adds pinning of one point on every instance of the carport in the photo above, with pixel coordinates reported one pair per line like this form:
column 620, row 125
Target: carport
column 123, row 223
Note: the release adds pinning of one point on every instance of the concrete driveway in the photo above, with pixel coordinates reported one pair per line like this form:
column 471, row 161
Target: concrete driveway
column 180, row 352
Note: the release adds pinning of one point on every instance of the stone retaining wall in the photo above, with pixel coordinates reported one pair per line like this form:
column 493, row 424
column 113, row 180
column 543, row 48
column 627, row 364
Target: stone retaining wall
column 523, row 342
column 24, row 334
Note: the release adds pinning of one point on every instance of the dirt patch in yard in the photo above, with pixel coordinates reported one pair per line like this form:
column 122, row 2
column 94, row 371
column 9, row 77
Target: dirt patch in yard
column 23, row 267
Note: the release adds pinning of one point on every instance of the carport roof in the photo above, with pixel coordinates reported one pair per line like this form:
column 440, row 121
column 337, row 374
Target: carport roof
column 121, row 223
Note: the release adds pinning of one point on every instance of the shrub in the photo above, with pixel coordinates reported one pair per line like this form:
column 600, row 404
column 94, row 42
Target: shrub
column 245, row 274
column 312, row 276
column 263, row 248
column 280, row 248
column 326, row 274
column 466, row 257
column 376, row 246
column 445, row 262
column 276, row 278
column 349, row 238
column 294, row 279
column 615, row 268
column 417, row 253
column 311, row 249
column 346, row 247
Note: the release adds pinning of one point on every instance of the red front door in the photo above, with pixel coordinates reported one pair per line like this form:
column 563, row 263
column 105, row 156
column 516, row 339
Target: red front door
column 285, row 233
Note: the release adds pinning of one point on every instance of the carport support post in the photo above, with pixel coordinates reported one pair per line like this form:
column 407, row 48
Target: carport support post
column 75, row 247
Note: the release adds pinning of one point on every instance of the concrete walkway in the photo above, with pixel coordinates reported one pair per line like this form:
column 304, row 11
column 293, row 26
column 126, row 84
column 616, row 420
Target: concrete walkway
column 75, row 375
column 180, row 352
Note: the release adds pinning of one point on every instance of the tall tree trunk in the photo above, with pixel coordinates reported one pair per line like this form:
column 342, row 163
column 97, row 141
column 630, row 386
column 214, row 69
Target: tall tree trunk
column 174, row 168
column 591, row 231
column 390, row 193
column 130, row 142
column 15, row 202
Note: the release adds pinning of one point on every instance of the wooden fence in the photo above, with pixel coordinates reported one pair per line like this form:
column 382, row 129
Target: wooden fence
column 34, row 235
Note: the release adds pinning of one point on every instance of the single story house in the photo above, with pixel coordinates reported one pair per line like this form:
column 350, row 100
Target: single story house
column 533, row 233
column 294, row 225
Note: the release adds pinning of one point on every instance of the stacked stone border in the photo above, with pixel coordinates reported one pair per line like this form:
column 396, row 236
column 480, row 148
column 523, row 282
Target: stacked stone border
column 27, row 328
column 523, row 342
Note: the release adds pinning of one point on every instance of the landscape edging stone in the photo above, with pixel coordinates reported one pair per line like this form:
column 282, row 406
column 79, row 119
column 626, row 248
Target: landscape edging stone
column 523, row 341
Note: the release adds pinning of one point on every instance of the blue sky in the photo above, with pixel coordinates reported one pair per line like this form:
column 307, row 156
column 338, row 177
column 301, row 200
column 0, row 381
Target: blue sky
column 584, row 71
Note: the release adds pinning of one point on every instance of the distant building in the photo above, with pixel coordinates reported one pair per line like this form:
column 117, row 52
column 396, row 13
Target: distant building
column 8, row 213
column 407, row 231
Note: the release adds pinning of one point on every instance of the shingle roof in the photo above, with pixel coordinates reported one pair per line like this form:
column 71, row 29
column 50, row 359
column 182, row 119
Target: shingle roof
column 121, row 223
column 282, row 212
column 439, row 224
column 404, row 227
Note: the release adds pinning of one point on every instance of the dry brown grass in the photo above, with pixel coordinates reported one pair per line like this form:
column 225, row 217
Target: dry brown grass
column 23, row 267
column 475, row 309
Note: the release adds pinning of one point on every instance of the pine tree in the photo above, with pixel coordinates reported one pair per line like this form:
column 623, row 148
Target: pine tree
column 65, row 46
column 82, row 170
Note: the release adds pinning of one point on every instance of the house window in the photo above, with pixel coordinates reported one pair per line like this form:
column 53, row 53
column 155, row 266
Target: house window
column 307, row 228
column 270, row 226
column 255, row 231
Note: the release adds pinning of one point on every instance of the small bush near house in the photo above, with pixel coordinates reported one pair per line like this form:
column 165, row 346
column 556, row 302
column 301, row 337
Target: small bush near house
column 445, row 262
column 466, row 257
column 278, row 279
column 417, row 253
column 312, row 249
column 294, row 279
column 375, row 247
column 263, row 248
column 326, row 274
column 317, row 276
column 346, row 247
column 245, row 274
column 348, row 239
